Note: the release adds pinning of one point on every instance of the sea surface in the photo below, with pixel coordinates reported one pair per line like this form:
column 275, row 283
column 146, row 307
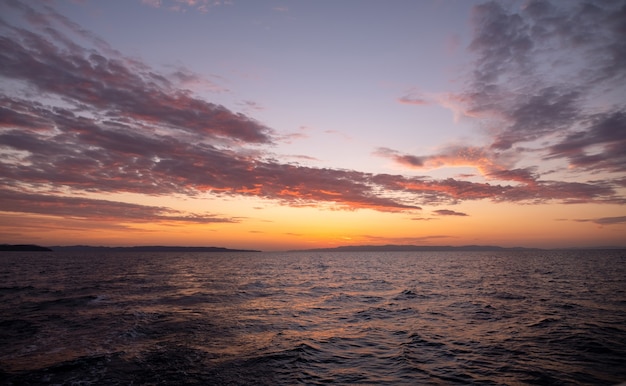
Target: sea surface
column 434, row 318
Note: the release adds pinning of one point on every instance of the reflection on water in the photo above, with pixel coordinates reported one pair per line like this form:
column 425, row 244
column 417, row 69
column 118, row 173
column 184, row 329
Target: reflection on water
column 267, row 318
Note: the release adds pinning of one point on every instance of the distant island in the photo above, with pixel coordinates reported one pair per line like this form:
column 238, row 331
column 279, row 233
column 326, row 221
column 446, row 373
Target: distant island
column 23, row 248
column 148, row 248
column 415, row 248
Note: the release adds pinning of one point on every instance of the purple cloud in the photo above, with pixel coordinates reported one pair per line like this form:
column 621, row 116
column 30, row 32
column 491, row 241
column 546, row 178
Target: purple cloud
column 538, row 67
column 116, row 87
column 605, row 130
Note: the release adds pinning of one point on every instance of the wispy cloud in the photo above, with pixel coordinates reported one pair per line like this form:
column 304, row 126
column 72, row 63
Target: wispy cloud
column 423, row 218
column 184, row 5
column 97, row 210
column 414, row 99
column 604, row 220
column 402, row 240
column 448, row 212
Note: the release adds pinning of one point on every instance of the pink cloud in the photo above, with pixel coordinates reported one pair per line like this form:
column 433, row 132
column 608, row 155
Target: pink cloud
column 413, row 100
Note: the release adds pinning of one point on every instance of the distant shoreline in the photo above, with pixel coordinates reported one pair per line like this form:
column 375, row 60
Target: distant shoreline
column 345, row 248
column 88, row 248
column 443, row 248
column 23, row 247
column 416, row 248
column 147, row 248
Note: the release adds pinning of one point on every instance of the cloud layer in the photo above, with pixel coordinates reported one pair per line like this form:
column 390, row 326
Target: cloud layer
column 547, row 83
column 81, row 118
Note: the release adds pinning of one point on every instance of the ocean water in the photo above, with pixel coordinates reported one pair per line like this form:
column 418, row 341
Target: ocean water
column 493, row 318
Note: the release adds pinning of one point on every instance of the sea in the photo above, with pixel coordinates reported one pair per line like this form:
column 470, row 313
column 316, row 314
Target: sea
column 313, row 318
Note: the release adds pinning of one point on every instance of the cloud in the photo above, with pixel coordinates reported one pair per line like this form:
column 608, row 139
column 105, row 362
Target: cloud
column 293, row 136
column 413, row 100
column 251, row 105
column 414, row 97
column 42, row 225
column 551, row 72
column 605, row 220
column 184, row 78
column 86, row 154
column 97, row 210
column 450, row 191
column 537, row 66
column 152, row 3
column 423, row 218
column 407, row 160
column 302, row 157
column 115, row 87
column 546, row 86
column 402, row 240
column 489, row 163
column 106, row 156
column 606, row 131
column 447, row 212
column 89, row 120
column 202, row 6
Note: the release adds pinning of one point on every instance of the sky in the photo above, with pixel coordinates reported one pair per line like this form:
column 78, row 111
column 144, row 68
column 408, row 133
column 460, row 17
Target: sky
column 278, row 125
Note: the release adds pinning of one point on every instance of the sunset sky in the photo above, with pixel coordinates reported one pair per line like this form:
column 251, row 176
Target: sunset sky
column 279, row 125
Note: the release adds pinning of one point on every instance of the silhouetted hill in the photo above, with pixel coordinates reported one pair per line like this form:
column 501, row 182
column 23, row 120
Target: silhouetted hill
column 416, row 248
column 24, row 247
column 149, row 248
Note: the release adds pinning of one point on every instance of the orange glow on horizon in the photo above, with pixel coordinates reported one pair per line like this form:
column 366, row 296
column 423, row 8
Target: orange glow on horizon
column 282, row 228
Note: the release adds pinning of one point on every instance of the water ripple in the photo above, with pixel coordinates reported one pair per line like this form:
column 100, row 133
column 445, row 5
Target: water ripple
column 343, row 318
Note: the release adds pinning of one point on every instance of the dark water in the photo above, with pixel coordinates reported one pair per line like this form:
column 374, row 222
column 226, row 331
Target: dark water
column 302, row 318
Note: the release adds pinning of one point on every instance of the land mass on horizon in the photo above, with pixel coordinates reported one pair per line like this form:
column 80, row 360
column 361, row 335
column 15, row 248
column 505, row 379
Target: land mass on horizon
column 415, row 248
column 145, row 248
column 344, row 248
column 23, row 247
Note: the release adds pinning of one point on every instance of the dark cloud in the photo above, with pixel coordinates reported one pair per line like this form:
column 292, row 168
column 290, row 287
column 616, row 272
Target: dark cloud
column 448, row 212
